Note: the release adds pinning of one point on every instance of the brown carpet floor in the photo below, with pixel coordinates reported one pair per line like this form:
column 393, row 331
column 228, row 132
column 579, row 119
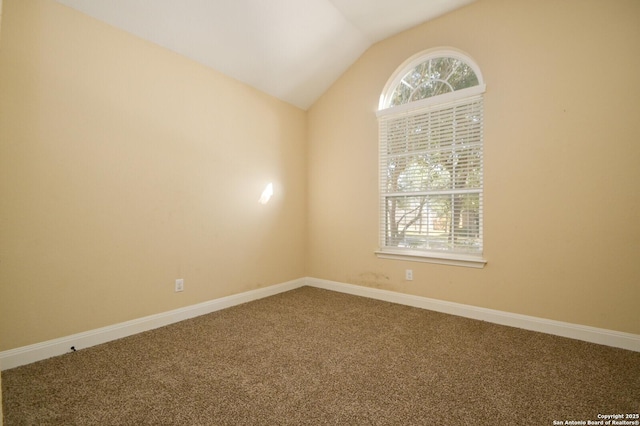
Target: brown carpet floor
column 311, row 356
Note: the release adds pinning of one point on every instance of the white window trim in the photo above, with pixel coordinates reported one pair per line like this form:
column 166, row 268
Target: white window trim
column 452, row 259
column 440, row 101
column 441, row 258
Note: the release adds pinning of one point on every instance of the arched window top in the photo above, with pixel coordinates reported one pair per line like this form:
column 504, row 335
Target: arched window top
column 443, row 73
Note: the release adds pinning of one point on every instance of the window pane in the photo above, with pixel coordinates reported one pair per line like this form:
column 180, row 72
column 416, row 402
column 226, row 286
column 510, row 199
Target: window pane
column 442, row 222
column 434, row 150
column 433, row 77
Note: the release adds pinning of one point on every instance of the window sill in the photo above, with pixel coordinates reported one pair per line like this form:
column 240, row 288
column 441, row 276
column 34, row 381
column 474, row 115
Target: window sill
column 469, row 261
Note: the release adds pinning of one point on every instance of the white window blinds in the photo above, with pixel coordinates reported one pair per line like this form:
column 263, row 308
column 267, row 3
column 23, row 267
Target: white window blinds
column 431, row 170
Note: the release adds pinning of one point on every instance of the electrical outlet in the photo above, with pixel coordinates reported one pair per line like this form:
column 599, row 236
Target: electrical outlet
column 408, row 275
column 179, row 284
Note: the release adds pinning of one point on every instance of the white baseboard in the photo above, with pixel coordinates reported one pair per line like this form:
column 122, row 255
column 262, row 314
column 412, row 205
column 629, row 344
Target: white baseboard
column 574, row 331
column 39, row 351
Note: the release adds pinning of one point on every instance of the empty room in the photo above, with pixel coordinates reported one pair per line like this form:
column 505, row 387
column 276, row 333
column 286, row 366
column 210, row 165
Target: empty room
column 408, row 212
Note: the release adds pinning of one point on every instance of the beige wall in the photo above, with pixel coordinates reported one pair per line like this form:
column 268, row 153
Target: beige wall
column 124, row 166
column 562, row 155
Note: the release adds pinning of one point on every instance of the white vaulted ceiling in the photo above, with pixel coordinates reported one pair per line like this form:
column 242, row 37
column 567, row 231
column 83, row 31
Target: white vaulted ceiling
column 291, row 49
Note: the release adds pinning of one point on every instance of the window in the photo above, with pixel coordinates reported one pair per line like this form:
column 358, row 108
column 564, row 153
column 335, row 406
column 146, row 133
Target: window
column 431, row 160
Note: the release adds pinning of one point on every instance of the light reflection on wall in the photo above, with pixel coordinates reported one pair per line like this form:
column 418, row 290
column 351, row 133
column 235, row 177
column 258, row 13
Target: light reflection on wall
column 266, row 194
